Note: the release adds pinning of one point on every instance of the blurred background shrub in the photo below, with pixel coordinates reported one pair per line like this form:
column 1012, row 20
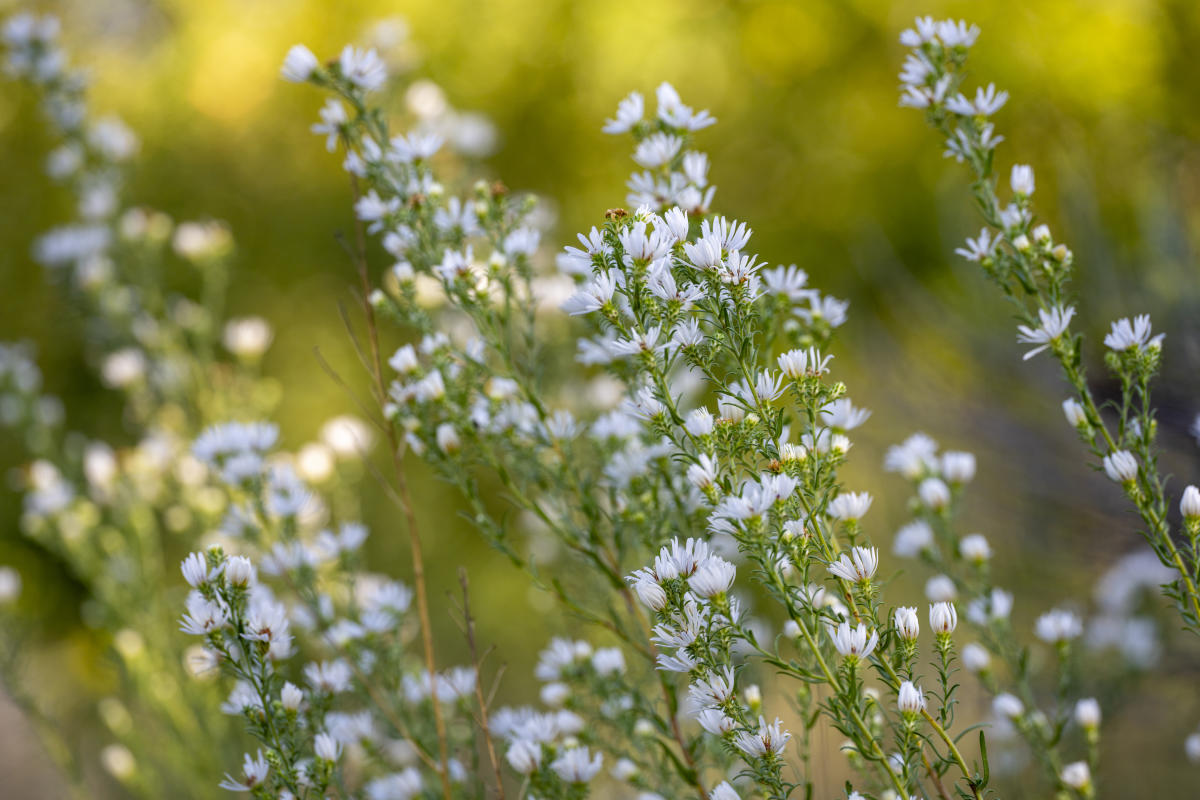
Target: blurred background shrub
column 810, row 148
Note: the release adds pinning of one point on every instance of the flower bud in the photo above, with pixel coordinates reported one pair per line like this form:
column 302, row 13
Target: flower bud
column 911, row 699
column 943, row 617
column 1087, row 713
column 239, row 571
column 291, row 696
column 908, row 626
column 1074, row 412
column 1189, row 505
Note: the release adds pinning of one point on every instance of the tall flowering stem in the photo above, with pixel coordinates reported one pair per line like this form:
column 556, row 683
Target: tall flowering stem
column 1033, row 271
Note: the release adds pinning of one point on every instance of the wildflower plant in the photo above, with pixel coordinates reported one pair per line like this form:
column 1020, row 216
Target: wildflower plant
column 696, row 484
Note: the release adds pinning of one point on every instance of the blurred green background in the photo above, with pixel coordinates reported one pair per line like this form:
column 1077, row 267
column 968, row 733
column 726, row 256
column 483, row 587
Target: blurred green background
column 810, row 148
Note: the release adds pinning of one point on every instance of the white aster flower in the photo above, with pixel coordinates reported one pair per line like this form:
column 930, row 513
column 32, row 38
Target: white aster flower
column 1054, row 323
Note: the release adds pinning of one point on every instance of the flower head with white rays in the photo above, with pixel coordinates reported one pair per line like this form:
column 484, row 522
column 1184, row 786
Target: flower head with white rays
column 943, row 617
column 1008, row 706
column 979, row 249
column 363, row 68
column 657, row 150
column 987, row 102
column 767, row 740
column 912, row 539
column 1129, row 334
column 1077, row 775
column 639, row 342
column 940, row 589
column 577, row 765
column 1057, row 626
column 416, row 146
column 958, row 467
column 908, row 626
column 914, row 456
column 629, row 113
column 842, row 415
column 254, row 772
column 299, row 64
column 1021, row 180
column 1121, row 466
column 911, row 698
column 196, row 572
column 850, row 506
column 713, row 577
column 595, row 294
column 1054, row 323
column 797, row 364
column 858, row 566
column 855, row 642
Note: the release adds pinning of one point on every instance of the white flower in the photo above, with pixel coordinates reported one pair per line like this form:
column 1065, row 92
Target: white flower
column 247, row 337
column 912, row 539
column 958, row 467
column 934, row 493
column 123, row 368
column 254, row 772
column 1077, row 775
column 858, row 566
column 987, row 102
column 850, row 506
column 1191, row 746
column 974, row 547
column 856, row 642
column 577, row 765
column 908, row 626
column 1136, row 334
column 326, row 747
column 299, row 64
column 448, row 440
column 1021, row 180
column 196, row 572
column 975, row 657
column 699, row 422
column 913, row 457
column 1189, row 504
column 1008, row 706
column 291, row 696
column 1074, row 411
column 649, row 591
column 713, row 577
column 796, row 364
column 715, row 722
column 723, row 791
column 979, row 249
column 1087, row 713
column 657, row 149
column 416, row 146
column 1121, row 466
column 769, row 739
column 911, row 699
column 1058, row 626
column 943, row 617
column 524, row 756
column 629, row 113
column 1054, row 323
column 364, row 68
column 239, row 570
column 940, row 589
column 594, row 294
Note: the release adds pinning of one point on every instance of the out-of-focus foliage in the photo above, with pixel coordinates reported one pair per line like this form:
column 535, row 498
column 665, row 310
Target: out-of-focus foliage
column 810, row 146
